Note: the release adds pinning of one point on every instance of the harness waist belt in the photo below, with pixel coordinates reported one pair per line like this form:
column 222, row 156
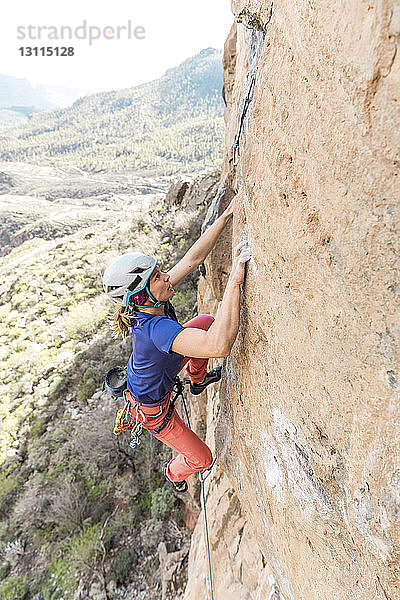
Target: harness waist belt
column 166, row 419
column 178, row 388
column 149, row 404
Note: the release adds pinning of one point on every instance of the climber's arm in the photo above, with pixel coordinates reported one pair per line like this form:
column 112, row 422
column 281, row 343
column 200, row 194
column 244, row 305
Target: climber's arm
column 201, row 248
column 218, row 340
column 220, row 337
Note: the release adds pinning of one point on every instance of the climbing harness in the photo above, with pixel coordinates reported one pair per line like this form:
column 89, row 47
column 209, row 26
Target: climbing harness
column 178, row 390
column 117, row 386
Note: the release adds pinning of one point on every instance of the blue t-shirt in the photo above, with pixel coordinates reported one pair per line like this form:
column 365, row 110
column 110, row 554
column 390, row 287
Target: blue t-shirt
column 153, row 366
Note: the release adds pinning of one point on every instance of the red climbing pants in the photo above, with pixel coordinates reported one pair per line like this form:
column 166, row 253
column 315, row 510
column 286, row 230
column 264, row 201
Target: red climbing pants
column 194, row 455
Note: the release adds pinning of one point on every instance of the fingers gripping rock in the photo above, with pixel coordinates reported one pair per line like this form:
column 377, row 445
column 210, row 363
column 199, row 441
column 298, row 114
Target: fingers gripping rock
column 243, row 251
column 239, row 246
column 245, row 256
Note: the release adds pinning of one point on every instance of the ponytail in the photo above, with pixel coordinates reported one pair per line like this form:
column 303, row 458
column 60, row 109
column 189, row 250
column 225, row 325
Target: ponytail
column 123, row 321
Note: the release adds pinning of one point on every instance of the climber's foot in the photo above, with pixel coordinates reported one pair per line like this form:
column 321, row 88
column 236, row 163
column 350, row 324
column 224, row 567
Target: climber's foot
column 211, row 377
column 179, row 486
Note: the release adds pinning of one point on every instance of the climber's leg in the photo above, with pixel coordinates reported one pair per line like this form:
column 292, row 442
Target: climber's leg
column 194, row 455
column 197, row 367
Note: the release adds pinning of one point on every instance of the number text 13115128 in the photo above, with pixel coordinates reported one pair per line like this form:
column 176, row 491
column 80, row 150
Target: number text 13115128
column 47, row 51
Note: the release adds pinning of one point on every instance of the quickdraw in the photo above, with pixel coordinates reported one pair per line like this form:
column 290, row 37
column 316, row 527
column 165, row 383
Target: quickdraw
column 124, row 422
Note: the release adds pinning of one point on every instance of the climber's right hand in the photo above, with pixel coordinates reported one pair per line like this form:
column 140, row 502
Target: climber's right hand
column 228, row 212
column 241, row 254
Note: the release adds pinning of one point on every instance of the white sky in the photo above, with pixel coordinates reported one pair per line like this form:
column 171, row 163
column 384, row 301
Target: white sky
column 175, row 30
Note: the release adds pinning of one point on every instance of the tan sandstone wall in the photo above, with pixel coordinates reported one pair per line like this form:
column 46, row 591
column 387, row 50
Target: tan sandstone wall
column 305, row 500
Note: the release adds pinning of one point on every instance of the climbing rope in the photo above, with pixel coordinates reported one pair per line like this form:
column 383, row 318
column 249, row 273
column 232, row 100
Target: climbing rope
column 249, row 97
column 202, row 479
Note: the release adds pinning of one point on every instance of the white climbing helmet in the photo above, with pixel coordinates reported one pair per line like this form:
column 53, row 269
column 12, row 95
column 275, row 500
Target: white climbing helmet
column 127, row 275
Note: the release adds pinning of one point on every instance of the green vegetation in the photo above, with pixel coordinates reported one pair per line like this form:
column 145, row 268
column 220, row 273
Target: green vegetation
column 169, row 124
column 14, row 588
column 77, row 506
column 80, row 510
column 122, row 565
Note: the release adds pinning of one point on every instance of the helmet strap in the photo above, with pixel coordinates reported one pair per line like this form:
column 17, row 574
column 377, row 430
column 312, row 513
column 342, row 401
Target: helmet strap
column 157, row 303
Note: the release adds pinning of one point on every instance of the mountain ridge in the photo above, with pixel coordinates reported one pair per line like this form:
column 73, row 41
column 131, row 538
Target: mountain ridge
column 167, row 123
column 17, row 93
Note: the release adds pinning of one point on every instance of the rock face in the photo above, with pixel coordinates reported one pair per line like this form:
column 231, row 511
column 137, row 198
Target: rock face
column 304, row 502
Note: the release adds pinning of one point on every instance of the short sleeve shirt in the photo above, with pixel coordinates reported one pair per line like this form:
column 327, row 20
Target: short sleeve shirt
column 153, row 366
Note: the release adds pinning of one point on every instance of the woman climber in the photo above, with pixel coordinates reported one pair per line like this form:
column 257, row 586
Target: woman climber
column 161, row 346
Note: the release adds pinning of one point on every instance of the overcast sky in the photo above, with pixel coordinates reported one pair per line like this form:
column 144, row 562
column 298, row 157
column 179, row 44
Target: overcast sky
column 173, row 31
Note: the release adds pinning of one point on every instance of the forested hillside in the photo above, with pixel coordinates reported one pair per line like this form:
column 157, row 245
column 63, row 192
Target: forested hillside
column 169, row 124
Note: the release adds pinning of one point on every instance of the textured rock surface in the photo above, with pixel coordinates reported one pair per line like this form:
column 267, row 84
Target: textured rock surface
column 306, row 424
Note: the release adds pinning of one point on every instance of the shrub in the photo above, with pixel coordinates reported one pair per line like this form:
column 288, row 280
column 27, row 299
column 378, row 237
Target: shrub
column 150, row 534
column 8, row 492
column 14, row 588
column 37, row 428
column 69, row 507
column 13, row 551
column 39, row 457
column 5, row 568
column 122, row 564
column 88, row 385
column 84, row 548
column 84, row 319
column 30, row 510
column 100, row 510
column 62, row 581
column 162, row 500
column 77, row 557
